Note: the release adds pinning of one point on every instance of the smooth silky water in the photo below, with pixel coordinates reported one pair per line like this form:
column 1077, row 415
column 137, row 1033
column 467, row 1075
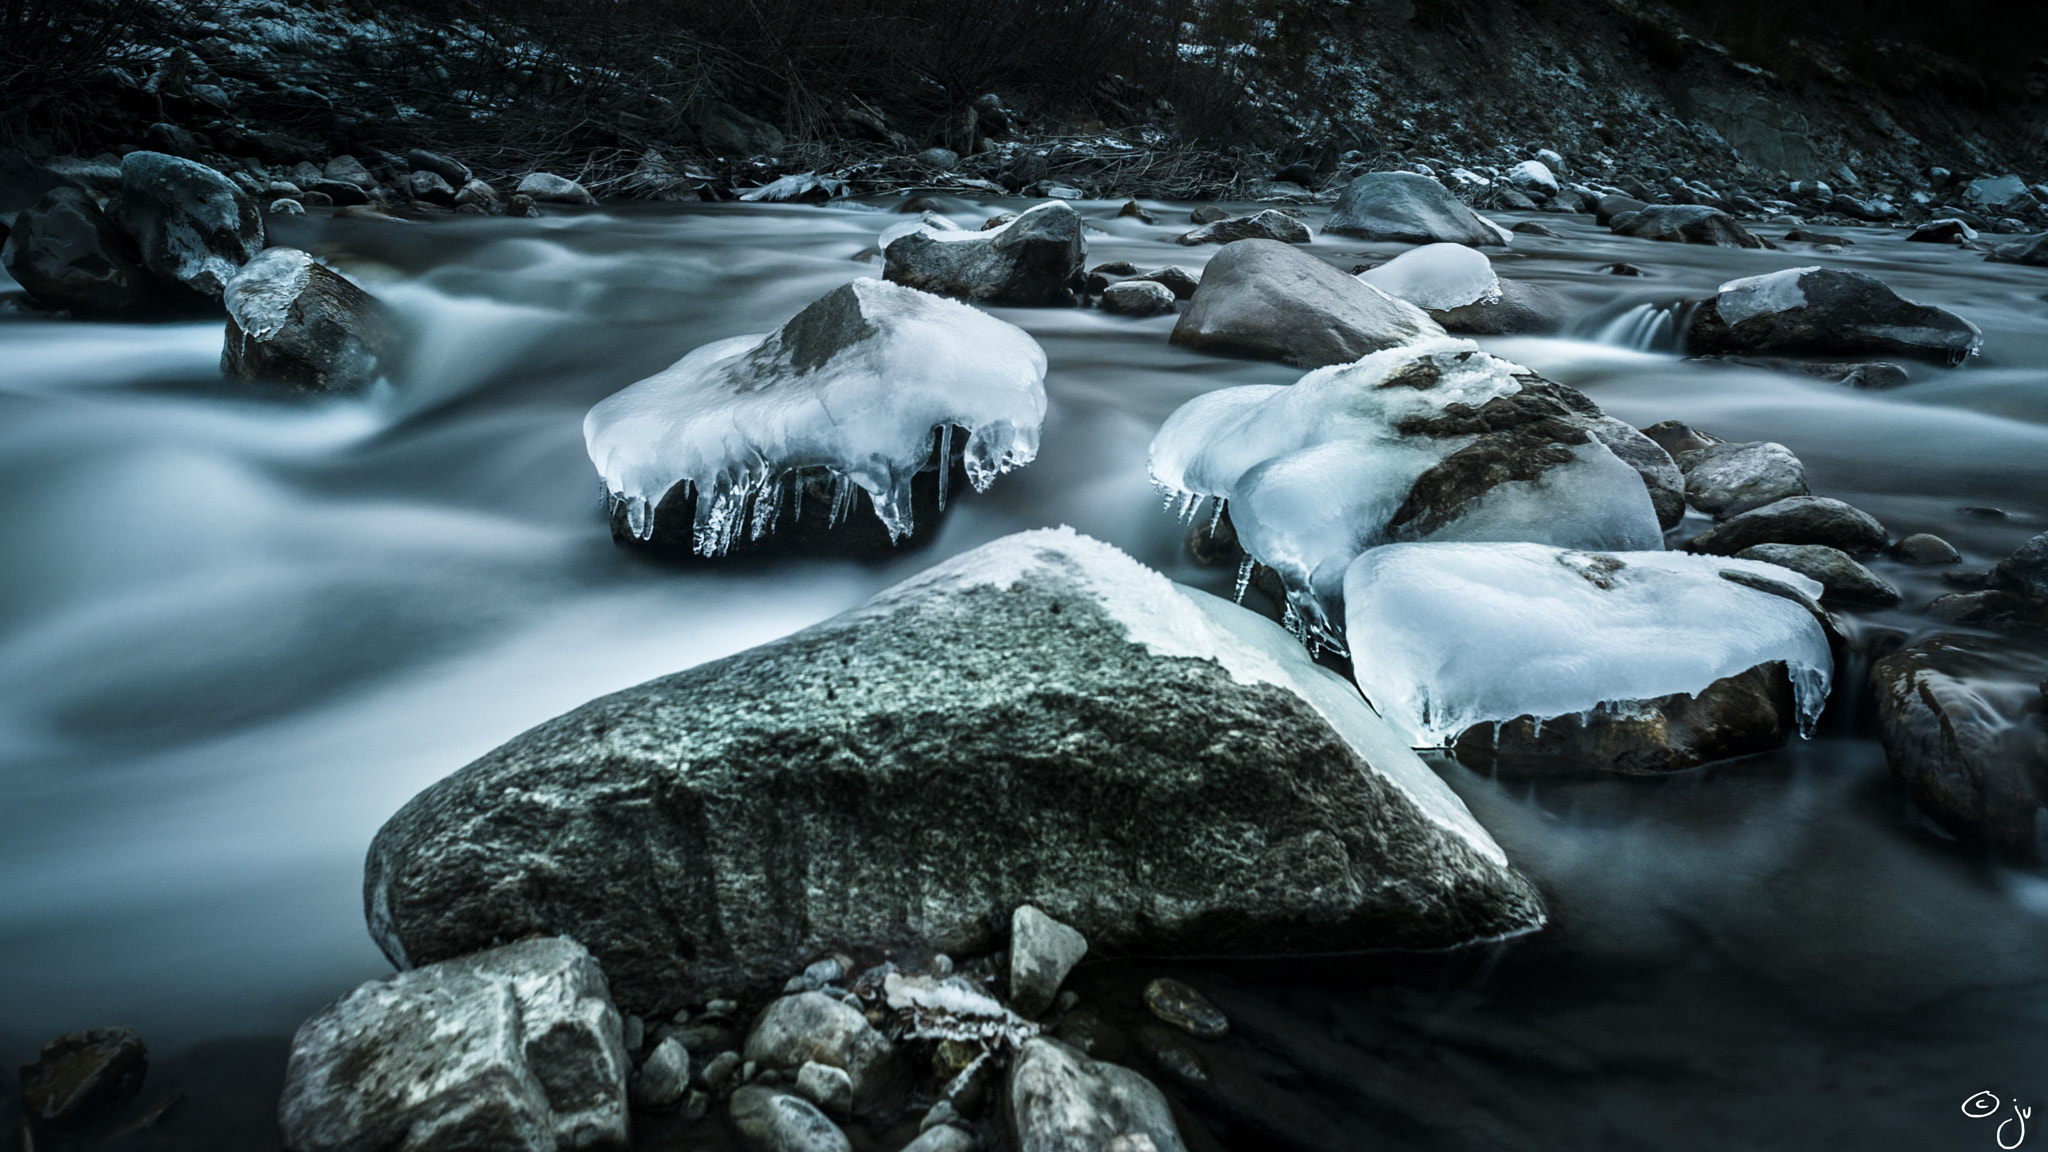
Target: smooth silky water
column 239, row 628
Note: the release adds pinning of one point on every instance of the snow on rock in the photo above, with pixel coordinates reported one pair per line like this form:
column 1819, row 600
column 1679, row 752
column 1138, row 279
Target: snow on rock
column 1447, row 636
column 192, row 224
column 1826, row 312
column 1436, row 440
column 1533, row 176
column 1437, row 277
column 860, row 383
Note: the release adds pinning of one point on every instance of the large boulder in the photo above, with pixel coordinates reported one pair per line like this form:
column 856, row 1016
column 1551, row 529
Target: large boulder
column 296, row 321
column 1794, row 520
column 1061, row 1101
column 1685, row 224
column 1267, row 299
column 1032, row 260
column 1827, row 312
column 771, row 436
column 67, row 254
column 1533, row 657
column 1059, row 725
column 517, row 1047
column 1438, row 441
column 193, row 226
column 1409, row 207
column 1964, row 730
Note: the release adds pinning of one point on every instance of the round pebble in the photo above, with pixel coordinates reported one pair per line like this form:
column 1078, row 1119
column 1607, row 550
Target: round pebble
column 1185, row 1008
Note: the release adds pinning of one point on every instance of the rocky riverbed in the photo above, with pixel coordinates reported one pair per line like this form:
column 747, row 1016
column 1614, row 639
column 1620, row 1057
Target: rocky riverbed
column 950, row 827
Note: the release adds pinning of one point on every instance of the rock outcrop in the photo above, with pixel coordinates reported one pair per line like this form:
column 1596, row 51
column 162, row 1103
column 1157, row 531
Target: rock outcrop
column 1158, row 768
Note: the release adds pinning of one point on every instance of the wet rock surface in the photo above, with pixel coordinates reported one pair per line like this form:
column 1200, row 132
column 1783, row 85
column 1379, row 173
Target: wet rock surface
column 1794, row 520
column 812, row 1027
column 1059, row 1100
column 1032, row 260
column 86, row 1076
column 1042, row 952
column 1524, row 309
column 1725, row 480
column 770, row 1120
column 1836, row 570
column 1685, row 224
column 293, row 320
column 191, row 224
column 1965, row 735
column 67, row 254
column 1827, row 312
column 1138, row 298
column 1186, row 1009
column 1266, row 299
column 514, row 1047
column 904, row 707
column 1410, row 208
column 1270, row 224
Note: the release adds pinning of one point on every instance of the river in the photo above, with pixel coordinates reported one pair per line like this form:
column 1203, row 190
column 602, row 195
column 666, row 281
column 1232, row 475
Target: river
column 239, row 628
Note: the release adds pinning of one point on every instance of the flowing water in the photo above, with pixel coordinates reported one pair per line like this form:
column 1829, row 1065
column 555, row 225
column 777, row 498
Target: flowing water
column 239, row 628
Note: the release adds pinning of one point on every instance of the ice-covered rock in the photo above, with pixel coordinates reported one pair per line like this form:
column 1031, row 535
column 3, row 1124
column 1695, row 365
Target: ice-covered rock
column 802, row 187
column 1271, row 224
column 859, row 387
column 1032, row 260
column 1947, row 230
column 1267, row 299
column 517, row 1047
column 1534, row 177
column 1827, row 312
column 1449, row 637
column 294, row 320
column 192, row 225
column 1684, row 224
column 1437, row 277
column 548, row 188
column 1412, row 208
column 1437, row 441
column 67, row 254
column 1061, row 1101
column 1154, row 766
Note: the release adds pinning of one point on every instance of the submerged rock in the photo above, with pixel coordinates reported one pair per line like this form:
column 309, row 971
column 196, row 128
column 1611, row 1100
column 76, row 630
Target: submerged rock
column 191, row 224
column 1262, row 298
column 1158, row 768
column 1537, row 658
column 1185, row 1009
column 84, row 1076
column 1271, row 224
column 1827, row 312
column 1794, row 520
column 1061, row 1101
column 517, row 1047
column 1684, row 223
column 860, row 391
column 1032, row 260
column 296, row 321
column 67, row 254
column 1411, row 208
column 1964, row 731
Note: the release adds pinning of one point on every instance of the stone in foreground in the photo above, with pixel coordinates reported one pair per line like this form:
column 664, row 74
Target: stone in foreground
column 1838, row 573
column 1042, row 952
column 548, row 188
column 1062, row 1101
column 1042, row 720
column 769, row 1120
column 84, row 1076
column 1964, row 732
column 1827, row 312
column 296, row 321
column 1270, row 300
column 192, row 225
column 1032, row 260
column 513, row 1048
column 1411, row 208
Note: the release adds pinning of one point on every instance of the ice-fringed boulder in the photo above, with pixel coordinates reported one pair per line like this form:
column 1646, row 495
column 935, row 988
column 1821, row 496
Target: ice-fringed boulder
column 192, row 225
column 1536, row 656
column 1437, row 277
column 1435, row 441
column 1042, row 720
column 862, row 388
column 294, row 320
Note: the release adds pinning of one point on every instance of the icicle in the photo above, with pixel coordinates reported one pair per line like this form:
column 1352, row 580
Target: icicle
column 945, row 460
column 768, row 506
column 1187, row 507
column 1216, row 517
column 1244, row 578
column 638, row 518
column 842, row 498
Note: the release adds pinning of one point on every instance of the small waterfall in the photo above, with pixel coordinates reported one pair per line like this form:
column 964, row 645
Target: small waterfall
column 1647, row 328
